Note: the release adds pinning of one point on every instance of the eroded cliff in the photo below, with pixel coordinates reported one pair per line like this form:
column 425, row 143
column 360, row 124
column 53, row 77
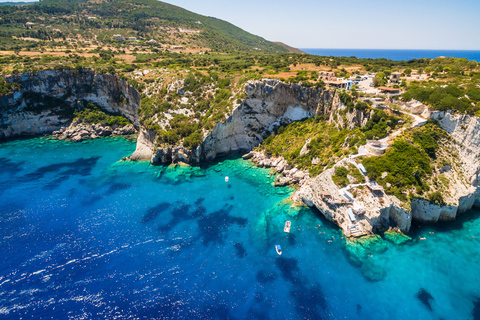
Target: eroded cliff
column 268, row 105
column 46, row 100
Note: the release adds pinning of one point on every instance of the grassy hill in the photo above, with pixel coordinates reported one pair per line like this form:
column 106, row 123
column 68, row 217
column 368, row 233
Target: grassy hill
column 144, row 19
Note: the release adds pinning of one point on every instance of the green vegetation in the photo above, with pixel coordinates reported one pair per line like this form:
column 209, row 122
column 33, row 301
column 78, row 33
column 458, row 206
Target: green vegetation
column 340, row 177
column 436, row 198
column 143, row 19
column 92, row 114
column 379, row 125
column 7, row 88
column 408, row 165
column 326, row 146
column 451, row 97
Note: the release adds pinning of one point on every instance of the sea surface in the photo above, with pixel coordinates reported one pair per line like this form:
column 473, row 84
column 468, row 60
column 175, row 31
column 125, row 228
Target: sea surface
column 396, row 54
column 84, row 236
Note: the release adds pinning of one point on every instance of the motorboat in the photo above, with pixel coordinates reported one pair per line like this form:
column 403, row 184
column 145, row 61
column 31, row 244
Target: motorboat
column 287, row 226
column 279, row 249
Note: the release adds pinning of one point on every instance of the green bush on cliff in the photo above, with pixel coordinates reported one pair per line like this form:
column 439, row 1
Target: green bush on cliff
column 7, row 88
column 407, row 166
column 340, row 177
column 436, row 198
column 92, row 114
column 379, row 125
column 326, row 146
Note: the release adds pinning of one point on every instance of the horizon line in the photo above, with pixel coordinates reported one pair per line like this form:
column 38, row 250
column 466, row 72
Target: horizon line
column 305, row 48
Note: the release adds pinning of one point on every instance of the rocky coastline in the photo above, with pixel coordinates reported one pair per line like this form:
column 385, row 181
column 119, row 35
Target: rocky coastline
column 79, row 131
column 268, row 104
column 288, row 175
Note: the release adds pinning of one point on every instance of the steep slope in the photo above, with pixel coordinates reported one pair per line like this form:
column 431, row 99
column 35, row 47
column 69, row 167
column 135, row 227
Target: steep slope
column 149, row 19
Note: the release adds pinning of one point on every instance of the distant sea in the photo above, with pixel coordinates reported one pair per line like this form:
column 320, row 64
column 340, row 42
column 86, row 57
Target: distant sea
column 395, row 54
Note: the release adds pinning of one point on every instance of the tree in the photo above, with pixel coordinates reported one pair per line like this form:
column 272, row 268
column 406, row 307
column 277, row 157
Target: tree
column 472, row 65
column 377, row 81
column 408, row 71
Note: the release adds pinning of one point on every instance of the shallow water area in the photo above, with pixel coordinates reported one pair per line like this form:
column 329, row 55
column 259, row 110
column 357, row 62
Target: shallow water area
column 84, row 235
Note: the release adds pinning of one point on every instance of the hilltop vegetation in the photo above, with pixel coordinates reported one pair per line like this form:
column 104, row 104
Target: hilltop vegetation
column 85, row 20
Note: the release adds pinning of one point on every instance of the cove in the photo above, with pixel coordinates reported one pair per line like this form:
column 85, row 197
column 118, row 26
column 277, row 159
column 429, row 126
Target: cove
column 83, row 235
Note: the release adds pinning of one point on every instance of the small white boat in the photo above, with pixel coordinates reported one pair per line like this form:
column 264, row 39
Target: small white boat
column 226, row 179
column 287, row 226
column 279, row 249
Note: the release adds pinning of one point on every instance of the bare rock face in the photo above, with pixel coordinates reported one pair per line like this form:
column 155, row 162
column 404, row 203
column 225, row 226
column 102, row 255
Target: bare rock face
column 45, row 102
column 144, row 148
column 269, row 104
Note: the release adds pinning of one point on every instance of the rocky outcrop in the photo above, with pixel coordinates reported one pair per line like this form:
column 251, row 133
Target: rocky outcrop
column 47, row 99
column 289, row 175
column 373, row 211
column 268, row 105
column 344, row 118
column 144, row 148
column 79, row 131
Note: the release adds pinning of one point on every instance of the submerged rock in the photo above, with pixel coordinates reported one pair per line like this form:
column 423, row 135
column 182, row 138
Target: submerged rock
column 425, row 298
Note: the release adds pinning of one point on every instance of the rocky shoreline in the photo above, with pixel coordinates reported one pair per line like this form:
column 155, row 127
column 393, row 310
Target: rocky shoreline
column 289, row 175
column 79, row 131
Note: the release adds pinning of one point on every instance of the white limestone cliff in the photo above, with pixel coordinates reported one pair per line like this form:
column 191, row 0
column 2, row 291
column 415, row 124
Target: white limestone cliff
column 20, row 113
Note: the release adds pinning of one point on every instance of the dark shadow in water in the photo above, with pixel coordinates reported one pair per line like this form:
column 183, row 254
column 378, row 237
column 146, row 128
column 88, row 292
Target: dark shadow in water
column 241, row 252
column 476, row 309
column 55, row 183
column 154, row 212
column 117, row 186
column 183, row 212
column 91, row 199
column 289, row 269
column 359, row 309
column 179, row 214
column 291, row 239
column 309, row 302
column 81, row 167
column 10, row 167
column 425, row 298
column 264, row 277
column 213, row 226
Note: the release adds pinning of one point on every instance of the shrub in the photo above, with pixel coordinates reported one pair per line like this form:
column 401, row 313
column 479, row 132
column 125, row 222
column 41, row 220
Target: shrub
column 340, row 176
column 436, row 198
column 92, row 114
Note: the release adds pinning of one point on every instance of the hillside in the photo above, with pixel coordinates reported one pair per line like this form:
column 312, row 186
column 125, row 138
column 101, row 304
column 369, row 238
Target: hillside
column 289, row 48
column 147, row 20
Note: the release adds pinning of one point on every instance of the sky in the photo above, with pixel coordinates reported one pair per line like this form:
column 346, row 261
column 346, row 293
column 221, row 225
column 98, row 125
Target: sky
column 351, row 24
column 359, row 24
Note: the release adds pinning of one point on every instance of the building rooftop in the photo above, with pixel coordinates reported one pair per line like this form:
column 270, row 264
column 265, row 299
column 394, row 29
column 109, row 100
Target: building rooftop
column 389, row 89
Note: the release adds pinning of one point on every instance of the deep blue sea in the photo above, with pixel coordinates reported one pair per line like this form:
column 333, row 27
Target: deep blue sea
column 396, row 54
column 84, row 236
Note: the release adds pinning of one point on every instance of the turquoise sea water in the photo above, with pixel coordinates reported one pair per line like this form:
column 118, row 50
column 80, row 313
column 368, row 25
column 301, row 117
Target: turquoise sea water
column 83, row 236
